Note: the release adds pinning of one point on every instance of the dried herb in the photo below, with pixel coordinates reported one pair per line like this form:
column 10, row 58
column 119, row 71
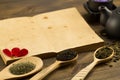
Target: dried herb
column 21, row 68
column 66, row 55
column 116, row 47
column 103, row 53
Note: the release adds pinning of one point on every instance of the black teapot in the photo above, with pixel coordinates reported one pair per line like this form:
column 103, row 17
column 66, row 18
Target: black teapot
column 111, row 20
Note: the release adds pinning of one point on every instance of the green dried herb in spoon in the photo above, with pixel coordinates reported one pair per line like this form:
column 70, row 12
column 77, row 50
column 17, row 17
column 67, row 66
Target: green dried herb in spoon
column 21, row 68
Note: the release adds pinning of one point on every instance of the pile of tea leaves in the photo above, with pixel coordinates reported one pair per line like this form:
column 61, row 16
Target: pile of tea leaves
column 21, row 68
column 103, row 53
column 116, row 47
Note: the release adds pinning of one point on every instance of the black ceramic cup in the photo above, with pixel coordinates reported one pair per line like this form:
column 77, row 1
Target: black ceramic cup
column 93, row 5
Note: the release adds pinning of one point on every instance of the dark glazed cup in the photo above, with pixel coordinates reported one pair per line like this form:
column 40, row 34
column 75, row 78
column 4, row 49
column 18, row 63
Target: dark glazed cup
column 92, row 5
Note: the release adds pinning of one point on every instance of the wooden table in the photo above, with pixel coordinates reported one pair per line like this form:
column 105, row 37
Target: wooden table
column 18, row 8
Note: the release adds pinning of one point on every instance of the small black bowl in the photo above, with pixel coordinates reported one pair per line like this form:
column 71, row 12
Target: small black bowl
column 92, row 5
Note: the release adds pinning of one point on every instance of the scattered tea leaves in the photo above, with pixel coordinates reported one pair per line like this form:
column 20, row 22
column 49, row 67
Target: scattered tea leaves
column 116, row 48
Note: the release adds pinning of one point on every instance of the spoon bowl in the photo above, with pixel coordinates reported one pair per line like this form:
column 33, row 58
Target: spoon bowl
column 83, row 73
column 104, row 59
column 63, row 58
column 36, row 61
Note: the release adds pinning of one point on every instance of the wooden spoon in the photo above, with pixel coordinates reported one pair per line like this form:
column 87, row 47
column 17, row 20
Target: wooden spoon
column 83, row 73
column 63, row 58
column 6, row 74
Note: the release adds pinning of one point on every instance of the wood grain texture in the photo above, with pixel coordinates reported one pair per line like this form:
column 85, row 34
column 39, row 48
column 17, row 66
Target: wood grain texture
column 17, row 8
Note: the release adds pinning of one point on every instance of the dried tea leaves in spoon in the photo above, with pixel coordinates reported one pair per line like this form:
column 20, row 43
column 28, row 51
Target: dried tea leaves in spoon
column 21, row 68
column 103, row 53
column 66, row 55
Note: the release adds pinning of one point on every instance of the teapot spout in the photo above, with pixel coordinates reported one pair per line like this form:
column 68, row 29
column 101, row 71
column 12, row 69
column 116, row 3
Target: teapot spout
column 105, row 14
column 105, row 10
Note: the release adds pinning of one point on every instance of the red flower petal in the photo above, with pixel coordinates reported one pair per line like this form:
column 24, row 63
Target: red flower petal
column 7, row 52
column 22, row 52
column 15, row 51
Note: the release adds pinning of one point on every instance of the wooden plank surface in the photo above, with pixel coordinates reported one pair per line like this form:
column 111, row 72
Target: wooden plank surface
column 17, row 8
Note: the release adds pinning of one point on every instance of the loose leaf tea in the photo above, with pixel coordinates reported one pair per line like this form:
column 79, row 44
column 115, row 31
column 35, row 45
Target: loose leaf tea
column 21, row 68
column 66, row 55
column 116, row 47
column 103, row 53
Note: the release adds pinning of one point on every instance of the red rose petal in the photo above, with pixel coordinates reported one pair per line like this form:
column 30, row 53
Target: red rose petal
column 7, row 52
column 15, row 51
column 22, row 52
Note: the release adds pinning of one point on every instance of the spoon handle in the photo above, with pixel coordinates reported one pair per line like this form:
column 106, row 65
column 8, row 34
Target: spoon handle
column 40, row 75
column 83, row 73
column 5, row 75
